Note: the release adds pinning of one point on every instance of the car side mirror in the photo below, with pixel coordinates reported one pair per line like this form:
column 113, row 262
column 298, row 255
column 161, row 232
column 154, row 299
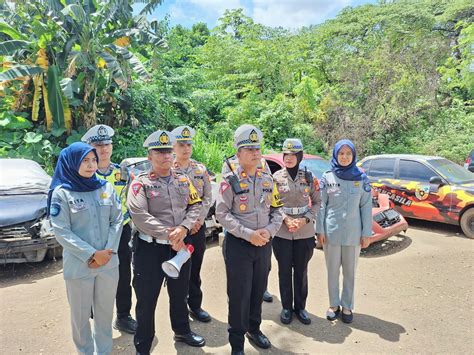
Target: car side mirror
column 124, row 175
column 436, row 180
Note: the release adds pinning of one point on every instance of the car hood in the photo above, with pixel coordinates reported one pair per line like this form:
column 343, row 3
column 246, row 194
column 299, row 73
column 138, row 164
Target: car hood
column 15, row 209
column 465, row 187
column 22, row 177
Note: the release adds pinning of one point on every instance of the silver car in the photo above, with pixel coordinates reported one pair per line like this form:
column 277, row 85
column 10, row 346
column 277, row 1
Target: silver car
column 25, row 233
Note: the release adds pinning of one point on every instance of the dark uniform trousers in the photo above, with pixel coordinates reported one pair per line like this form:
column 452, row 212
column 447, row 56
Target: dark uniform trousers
column 293, row 257
column 123, row 299
column 247, row 276
column 198, row 241
column 147, row 281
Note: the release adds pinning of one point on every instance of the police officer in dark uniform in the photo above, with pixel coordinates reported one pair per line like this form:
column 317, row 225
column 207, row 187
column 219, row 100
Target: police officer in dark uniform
column 100, row 137
column 231, row 164
column 197, row 172
column 248, row 207
column 164, row 206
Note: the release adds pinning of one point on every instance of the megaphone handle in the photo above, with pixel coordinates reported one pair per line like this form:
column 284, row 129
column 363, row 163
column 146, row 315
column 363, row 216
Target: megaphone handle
column 190, row 248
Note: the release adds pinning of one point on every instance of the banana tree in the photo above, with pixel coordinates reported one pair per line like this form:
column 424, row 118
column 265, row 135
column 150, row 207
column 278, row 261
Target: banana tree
column 73, row 54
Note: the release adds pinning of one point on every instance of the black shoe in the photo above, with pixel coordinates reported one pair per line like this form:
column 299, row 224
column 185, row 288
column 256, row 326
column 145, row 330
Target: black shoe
column 139, row 353
column 347, row 318
column 126, row 324
column 267, row 297
column 259, row 340
column 332, row 315
column 192, row 339
column 303, row 316
column 286, row 316
column 200, row 315
column 237, row 352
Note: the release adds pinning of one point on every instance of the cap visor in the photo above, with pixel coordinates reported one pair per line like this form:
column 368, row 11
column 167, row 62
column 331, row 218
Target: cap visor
column 250, row 146
column 288, row 151
column 103, row 142
column 161, row 147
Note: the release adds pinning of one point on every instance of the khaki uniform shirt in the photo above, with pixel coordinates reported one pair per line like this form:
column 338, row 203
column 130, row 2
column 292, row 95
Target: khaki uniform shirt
column 199, row 177
column 257, row 207
column 156, row 204
column 298, row 194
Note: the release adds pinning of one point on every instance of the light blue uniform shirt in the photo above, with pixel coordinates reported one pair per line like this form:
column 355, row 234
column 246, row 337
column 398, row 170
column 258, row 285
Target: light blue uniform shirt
column 346, row 210
column 85, row 222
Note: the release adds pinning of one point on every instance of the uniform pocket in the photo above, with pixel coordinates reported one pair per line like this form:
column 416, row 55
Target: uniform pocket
column 354, row 190
column 183, row 190
column 105, row 205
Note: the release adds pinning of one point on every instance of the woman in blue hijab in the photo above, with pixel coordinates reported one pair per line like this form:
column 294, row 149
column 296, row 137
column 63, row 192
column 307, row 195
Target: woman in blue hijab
column 344, row 225
column 87, row 219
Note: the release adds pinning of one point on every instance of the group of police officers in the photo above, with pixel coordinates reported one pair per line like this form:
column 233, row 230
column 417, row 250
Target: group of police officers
column 168, row 205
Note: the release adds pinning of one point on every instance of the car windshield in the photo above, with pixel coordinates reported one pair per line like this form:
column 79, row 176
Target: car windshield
column 451, row 171
column 317, row 166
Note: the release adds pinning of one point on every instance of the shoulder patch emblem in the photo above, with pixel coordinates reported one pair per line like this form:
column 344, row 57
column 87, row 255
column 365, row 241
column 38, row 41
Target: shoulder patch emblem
column 136, row 188
column 224, row 186
column 54, row 209
column 316, row 184
column 368, row 187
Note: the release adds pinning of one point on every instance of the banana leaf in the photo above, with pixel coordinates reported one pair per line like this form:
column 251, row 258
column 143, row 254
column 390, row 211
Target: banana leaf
column 19, row 72
column 10, row 47
column 54, row 97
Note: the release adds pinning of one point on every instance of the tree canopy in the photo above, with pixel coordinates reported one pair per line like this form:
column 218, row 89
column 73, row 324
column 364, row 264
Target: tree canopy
column 393, row 77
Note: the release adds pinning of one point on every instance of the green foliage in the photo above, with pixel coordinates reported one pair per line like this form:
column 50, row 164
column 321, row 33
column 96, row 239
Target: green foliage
column 212, row 149
column 18, row 141
column 394, row 77
column 128, row 142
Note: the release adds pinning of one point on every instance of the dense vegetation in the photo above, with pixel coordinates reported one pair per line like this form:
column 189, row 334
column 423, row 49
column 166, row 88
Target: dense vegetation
column 394, row 77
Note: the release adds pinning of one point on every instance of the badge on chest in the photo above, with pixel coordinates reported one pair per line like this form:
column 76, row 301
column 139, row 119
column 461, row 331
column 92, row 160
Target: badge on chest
column 77, row 205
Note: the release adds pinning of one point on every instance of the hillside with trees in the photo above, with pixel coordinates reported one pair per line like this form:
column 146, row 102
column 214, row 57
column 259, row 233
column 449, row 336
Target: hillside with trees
column 394, row 77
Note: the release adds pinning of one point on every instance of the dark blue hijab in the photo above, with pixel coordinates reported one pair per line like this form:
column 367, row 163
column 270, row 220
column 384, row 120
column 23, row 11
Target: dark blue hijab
column 350, row 172
column 66, row 173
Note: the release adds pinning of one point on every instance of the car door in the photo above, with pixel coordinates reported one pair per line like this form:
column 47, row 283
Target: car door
column 380, row 172
column 423, row 196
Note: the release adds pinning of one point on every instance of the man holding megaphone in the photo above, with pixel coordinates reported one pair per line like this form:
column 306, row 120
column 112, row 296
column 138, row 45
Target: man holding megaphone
column 164, row 206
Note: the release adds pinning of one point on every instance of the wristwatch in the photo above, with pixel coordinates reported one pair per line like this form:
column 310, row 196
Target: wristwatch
column 91, row 259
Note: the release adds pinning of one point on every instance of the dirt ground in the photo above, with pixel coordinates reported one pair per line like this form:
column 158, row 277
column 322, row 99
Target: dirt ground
column 414, row 294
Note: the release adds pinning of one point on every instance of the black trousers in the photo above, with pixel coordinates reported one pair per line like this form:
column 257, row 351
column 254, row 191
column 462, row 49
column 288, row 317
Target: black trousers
column 198, row 241
column 147, row 281
column 123, row 299
column 293, row 257
column 247, row 275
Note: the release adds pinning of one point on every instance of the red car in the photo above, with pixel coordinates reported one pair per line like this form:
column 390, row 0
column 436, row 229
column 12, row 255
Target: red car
column 386, row 221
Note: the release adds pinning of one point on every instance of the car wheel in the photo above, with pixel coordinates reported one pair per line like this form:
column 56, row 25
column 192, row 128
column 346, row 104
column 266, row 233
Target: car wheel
column 467, row 223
